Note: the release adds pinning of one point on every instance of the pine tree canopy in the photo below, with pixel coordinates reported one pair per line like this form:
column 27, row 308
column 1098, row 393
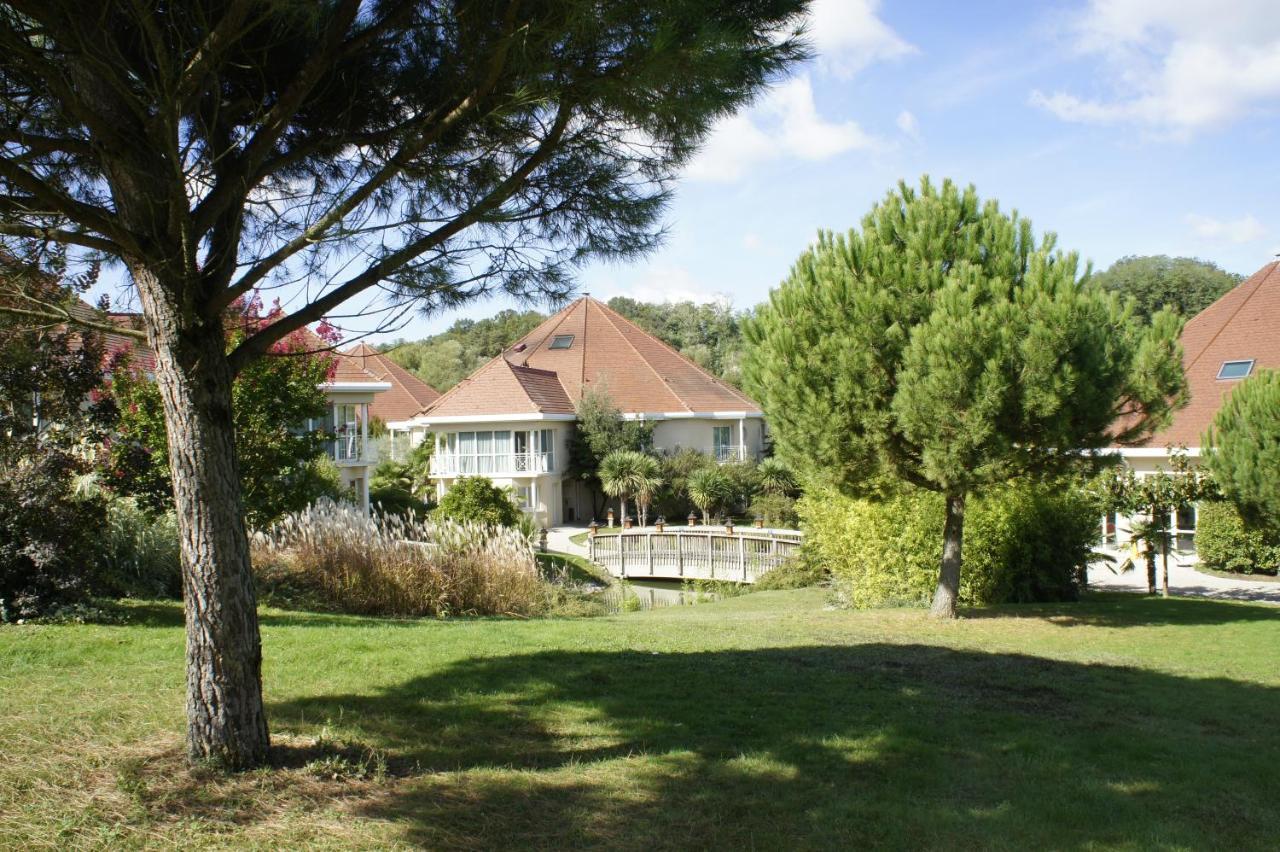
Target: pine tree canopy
column 1244, row 447
column 944, row 345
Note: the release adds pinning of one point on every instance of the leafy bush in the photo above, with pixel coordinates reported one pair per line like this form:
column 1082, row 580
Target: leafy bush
column 778, row 510
column 799, row 573
column 387, row 565
column 1226, row 541
column 1022, row 543
column 48, row 536
column 475, row 499
column 138, row 554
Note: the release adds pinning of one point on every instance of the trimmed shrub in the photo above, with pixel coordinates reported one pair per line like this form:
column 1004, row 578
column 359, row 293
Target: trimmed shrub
column 475, row 499
column 1226, row 541
column 388, row 565
column 1021, row 544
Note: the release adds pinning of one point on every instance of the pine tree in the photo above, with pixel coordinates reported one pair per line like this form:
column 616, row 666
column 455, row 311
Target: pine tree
column 943, row 346
column 414, row 153
column 1244, row 447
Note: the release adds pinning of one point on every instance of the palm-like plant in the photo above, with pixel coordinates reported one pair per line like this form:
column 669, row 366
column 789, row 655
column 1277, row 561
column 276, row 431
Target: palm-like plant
column 708, row 488
column 622, row 474
column 776, row 478
column 648, row 481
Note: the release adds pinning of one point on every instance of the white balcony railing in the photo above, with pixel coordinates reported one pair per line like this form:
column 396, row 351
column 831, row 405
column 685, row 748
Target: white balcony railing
column 502, row 464
column 722, row 453
column 349, row 449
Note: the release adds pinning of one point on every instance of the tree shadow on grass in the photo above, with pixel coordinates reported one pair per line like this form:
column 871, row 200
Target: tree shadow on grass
column 815, row 747
column 1130, row 609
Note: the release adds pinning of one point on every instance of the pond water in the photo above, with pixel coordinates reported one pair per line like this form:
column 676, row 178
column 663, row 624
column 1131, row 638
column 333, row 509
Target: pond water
column 654, row 594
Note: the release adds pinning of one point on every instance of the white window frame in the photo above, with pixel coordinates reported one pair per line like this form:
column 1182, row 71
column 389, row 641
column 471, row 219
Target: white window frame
column 1248, row 362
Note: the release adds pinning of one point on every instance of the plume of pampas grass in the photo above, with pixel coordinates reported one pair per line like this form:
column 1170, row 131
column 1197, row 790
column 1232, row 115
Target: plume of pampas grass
column 398, row 565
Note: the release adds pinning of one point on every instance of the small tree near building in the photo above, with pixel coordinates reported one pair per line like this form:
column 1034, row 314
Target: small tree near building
column 1244, row 448
column 273, row 399
column 1157, row 496
column 601, row 430
column 943, row 345
column 710, row 490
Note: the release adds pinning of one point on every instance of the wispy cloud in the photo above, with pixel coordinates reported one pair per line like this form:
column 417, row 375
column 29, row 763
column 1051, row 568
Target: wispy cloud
column 1175, row 67
column 907, row 124
column 785, row 125
column 1246, row 229
column 849, row 35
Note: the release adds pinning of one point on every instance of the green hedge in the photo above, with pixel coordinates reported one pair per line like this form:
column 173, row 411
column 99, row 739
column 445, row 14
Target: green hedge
column 1021, row 544
column 1226, row 542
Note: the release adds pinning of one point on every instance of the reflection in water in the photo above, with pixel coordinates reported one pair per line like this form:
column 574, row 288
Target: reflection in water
column 632, row 595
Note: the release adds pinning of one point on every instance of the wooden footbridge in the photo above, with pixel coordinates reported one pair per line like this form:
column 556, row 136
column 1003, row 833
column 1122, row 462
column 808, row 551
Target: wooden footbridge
column 690, row 554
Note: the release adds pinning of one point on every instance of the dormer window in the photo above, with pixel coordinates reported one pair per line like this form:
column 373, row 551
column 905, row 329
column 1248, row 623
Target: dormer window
column 565, row 341
column 1235, row 369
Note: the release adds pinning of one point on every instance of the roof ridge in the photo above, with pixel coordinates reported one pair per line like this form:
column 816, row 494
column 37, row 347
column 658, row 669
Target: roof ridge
column 1265, row 273
column 733, row 390
column 561, row 315
column 466, row 380
column 606, row 310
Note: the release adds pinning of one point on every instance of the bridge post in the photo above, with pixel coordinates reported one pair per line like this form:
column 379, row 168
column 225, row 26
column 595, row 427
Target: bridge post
column 742, row 556
column 648, row 551
column 711, row 556
column 680, row 554
column 622, row 556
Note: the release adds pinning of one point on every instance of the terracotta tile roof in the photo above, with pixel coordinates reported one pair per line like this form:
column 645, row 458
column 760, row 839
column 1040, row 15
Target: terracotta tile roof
column 641, row 373
column 500, row 387
column 408, row 394
column 1243, row 325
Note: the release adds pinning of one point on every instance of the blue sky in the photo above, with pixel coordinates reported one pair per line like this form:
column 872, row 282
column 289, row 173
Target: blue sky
column 1126, row 126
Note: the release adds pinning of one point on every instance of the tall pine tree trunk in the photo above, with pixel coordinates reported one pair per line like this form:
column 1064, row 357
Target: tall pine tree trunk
column 948, row 591
column 226, row 721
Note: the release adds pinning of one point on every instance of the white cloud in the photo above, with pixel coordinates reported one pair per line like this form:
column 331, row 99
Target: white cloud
column 849, row 36
column 785, row 124
column 1177, row 67
column 1246, row 229
column 751, row 241
column 907, row 124
column 667, row 283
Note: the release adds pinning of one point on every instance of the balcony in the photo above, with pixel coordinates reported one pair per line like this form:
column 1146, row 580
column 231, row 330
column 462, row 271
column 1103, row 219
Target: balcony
column 721, row 453
column 502, row 464
column 350, row 449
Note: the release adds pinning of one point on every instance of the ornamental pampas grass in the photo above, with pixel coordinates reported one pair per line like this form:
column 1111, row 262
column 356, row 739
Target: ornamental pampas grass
column 392, row 565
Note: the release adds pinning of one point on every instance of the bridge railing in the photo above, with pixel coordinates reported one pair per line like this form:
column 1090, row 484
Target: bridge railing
column 702, row 555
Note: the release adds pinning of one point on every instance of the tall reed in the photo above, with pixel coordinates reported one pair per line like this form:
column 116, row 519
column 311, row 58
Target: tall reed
column 401, row 565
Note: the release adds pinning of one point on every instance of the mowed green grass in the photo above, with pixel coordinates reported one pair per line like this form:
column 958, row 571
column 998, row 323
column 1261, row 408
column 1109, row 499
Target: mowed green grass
column 761, row 722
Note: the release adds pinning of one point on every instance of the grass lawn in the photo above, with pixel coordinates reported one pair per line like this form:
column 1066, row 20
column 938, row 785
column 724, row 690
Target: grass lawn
column 760, row 722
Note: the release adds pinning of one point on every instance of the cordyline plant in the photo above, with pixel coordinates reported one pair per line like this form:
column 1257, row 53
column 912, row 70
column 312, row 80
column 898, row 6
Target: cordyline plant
column 429, row 151
column 945, row 346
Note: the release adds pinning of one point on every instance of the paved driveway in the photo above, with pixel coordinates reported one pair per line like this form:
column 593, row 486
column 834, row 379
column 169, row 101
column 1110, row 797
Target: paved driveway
column 1186, row 580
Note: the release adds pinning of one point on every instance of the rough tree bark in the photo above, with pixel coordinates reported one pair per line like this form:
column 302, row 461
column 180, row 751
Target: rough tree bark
column 227, row 723
column 948, row 591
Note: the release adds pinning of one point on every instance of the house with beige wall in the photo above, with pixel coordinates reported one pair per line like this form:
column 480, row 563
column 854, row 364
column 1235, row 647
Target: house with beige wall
column 1221, row 346
column 513, row 418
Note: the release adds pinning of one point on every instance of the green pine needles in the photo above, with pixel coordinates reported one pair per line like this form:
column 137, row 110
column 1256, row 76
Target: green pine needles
column 943, row 346
column 1244, row 442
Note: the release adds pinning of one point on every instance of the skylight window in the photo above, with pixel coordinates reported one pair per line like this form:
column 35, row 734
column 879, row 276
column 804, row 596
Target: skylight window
column 1235, row 369
column 565, row 341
